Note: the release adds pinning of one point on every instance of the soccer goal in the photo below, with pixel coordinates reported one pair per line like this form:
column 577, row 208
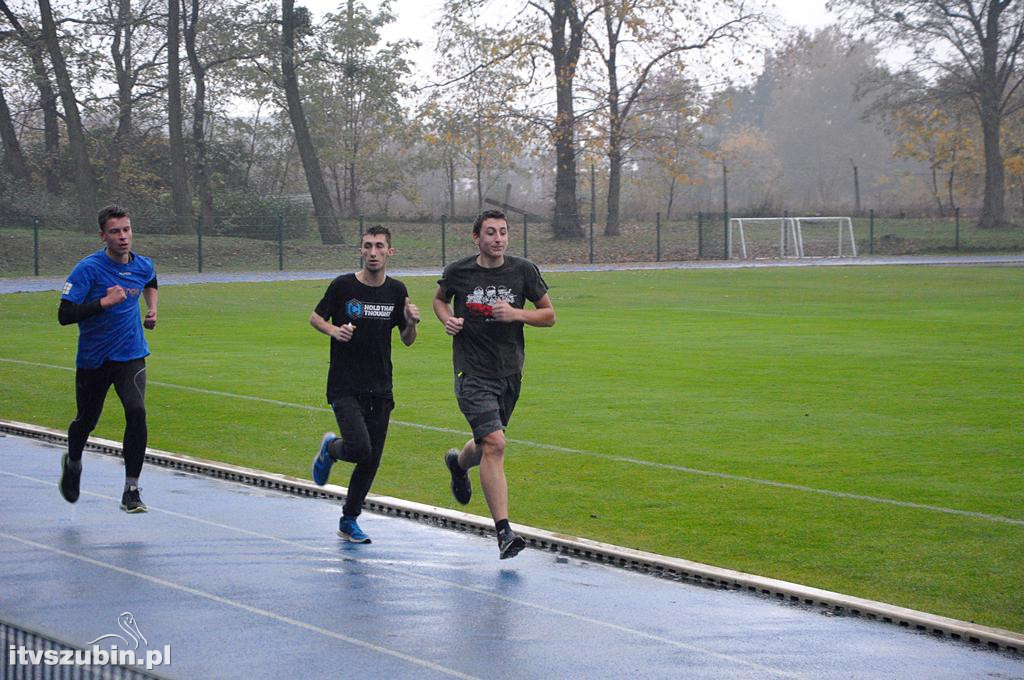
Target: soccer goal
column 825, row 236
column 766, row 237
column 761, row 237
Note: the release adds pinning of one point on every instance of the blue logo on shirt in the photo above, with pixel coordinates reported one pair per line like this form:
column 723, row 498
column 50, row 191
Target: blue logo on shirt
column 354, row 309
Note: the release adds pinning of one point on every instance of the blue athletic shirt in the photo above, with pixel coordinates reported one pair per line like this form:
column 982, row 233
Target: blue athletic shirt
column 115, row 334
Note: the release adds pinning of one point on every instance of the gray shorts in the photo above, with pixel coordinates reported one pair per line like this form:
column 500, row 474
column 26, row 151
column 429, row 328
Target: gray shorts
column 487, row 403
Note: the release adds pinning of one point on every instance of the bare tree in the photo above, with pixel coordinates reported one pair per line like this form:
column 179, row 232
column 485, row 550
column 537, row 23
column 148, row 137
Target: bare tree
column 85, row 180
column 35, row 46
column 14, row 159
column 975, row 45
column 656, row 28
column 330, row 231
column 181, row 196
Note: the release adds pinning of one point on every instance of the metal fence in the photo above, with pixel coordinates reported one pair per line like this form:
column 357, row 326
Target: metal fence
column 274, row 243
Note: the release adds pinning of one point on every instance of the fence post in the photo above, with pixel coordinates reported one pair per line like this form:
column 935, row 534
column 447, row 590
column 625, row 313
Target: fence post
column 957, row 242
column 444, row 259
column 35, row 245
column 657, row 237
column 526, row 227
column 199, row 244
column 280, row 243
column 700, row 235
column 871, row 231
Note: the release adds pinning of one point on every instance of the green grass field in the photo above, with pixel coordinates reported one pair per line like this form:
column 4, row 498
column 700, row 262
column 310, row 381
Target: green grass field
column 862, row 427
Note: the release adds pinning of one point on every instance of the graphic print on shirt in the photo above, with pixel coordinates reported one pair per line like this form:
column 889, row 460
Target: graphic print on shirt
column 480, row 303
column 355, row 309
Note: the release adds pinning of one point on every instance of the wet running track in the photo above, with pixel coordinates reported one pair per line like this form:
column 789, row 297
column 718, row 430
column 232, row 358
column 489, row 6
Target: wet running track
column 241, row 582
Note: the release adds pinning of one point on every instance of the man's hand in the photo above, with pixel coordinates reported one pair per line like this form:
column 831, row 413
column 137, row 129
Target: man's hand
column 342, row 333
column 412, row 312
column 503, row 311
column 453, row 325
column 115, row 296
column 150, row 321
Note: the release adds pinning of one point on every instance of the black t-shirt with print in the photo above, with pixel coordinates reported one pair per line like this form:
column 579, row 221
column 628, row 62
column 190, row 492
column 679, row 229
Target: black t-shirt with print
column 486, row 347
column 363, row 364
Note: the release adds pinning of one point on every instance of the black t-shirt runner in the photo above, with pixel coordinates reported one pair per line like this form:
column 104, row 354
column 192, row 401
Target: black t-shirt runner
column 485, row 347
column 363, row 364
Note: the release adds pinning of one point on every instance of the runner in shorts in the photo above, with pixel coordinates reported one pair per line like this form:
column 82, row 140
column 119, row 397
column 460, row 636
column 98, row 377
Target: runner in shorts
column 481, row 300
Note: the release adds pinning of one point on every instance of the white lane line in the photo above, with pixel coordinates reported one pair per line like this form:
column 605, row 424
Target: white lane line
column 602, row 456
column 244, row 607
column 404, row 572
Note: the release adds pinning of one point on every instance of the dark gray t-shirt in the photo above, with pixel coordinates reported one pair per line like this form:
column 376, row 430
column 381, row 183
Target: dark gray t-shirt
column 486, row 347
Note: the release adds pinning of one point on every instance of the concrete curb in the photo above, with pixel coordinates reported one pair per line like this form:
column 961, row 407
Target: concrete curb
column 637, row 560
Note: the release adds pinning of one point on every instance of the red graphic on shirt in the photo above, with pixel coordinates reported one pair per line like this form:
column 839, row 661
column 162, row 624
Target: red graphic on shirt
column 480, row 303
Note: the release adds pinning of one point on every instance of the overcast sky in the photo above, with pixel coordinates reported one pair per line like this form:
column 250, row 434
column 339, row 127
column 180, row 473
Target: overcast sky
column 416, row 19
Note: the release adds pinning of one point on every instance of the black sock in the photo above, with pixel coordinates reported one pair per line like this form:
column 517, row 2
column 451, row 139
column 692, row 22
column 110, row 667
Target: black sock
column 502, row 526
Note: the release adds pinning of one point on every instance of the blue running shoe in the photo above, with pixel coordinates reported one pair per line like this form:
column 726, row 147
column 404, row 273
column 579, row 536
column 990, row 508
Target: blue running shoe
column 350, row 531
column 322, row 462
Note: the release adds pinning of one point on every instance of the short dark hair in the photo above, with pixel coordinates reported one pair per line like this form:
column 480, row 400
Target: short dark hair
column 377, row 230
column 109, row 212
column 487, row 215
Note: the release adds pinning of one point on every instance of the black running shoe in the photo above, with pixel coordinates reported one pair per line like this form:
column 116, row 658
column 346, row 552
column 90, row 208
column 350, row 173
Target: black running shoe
column 70, row 476
column 462, row 488
column 131, row 500
column 509, row 544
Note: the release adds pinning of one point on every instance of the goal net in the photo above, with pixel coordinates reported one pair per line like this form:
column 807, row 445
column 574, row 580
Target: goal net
column 780, row 237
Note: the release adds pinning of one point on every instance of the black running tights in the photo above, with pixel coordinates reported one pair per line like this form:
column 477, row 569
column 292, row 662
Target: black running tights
column 91, row 386
column 363, row 421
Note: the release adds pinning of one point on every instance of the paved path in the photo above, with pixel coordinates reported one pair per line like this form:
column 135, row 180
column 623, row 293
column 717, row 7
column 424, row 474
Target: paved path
column 30, row 284
column 243, row 582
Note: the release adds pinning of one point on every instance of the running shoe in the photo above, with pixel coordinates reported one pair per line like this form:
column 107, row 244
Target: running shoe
column 509, row 544
column 322, row 461
column 462, row 488
column 131, row 500
column 70, row 476
column 350, row 531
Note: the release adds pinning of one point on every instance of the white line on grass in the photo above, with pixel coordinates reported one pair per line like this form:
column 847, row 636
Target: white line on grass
column 386, row 567
column 594, row 454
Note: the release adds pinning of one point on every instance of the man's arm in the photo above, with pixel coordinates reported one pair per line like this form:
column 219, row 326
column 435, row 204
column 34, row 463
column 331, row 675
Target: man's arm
column 71, row 312
column 339, row 333
column 542, row 315
column 443, row 311
column 412, row 319
column 150, row 294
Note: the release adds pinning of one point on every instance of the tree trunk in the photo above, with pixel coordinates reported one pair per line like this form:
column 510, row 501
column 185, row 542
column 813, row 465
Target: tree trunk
column 330, row 232
column 353, row 190
column 85, row 181
column 121, row 56
column 935, row 191
column 565, row 52
column 451, row 186
column 14, row 159
column 992, row 207
column 200, row 170
column 611, row 225
column 181, row 197
column 671, row 198
column 35, row 47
